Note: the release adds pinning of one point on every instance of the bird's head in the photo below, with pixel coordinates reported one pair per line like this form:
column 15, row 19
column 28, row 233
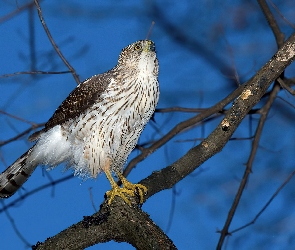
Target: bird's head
column 139, row 56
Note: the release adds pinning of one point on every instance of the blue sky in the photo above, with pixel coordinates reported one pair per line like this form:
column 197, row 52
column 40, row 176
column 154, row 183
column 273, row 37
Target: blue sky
column 91, row 35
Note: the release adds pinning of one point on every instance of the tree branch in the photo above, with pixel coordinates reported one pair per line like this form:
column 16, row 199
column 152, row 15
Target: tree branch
column 118, row 222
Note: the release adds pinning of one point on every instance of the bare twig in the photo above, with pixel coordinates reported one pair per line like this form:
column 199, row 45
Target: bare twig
column 32, row 36
column 279, row 36
column 150, row 30
column 266, row 204
column 36, row 190
column 91, row 199
column 179, row 109
column 18, row 233
column 35, row 73
column 16, row 12
column 286, row 86
column 18, row 118
column 281, row 15
column 76, row 77
column 27, row 131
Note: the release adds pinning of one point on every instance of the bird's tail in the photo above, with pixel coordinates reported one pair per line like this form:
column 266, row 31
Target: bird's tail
column 16, row 175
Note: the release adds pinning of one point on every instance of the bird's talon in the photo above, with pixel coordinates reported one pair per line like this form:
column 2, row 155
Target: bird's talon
column 141, row 189
column 117, row 191
column 128, row 188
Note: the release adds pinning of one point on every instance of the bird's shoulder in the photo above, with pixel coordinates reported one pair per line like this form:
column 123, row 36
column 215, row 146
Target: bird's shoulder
column 79, row 100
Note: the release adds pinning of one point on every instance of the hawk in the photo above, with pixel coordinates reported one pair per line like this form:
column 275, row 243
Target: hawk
column 98, row 125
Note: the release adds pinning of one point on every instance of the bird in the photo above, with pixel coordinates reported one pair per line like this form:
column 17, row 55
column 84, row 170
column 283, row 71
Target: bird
column 97, row 126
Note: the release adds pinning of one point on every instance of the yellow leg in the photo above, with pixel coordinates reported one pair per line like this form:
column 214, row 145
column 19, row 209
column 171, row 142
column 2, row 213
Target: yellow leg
column 128, row 188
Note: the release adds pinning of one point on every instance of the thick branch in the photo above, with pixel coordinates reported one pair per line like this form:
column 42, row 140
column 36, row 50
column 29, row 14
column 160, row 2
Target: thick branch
column 117, row 222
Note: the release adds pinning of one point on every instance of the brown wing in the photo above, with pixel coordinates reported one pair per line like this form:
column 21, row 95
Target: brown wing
column 81, row 98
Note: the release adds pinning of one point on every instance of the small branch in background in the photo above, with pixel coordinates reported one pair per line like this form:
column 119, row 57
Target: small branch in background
column 279, row 36
column 32, row 36
column 266, row 205
column 17, row 232
column 286, row 86
column 179, row 109
column 16, row 12
column 18, row 136
column 18, row 118
column 172, row 209
column 91, row 199
column 76, row 77
column 35, row 73
column 281, row 15
column 22, row 197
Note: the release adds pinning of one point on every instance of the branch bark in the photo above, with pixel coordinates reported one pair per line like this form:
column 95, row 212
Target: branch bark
column 118, row 222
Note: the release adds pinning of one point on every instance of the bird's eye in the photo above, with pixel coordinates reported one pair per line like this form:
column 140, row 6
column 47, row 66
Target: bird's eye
column 137, row 47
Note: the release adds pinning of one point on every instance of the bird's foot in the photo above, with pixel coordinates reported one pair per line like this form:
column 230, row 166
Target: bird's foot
column 127, row 185
column 121, row 192
column 128, row 188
